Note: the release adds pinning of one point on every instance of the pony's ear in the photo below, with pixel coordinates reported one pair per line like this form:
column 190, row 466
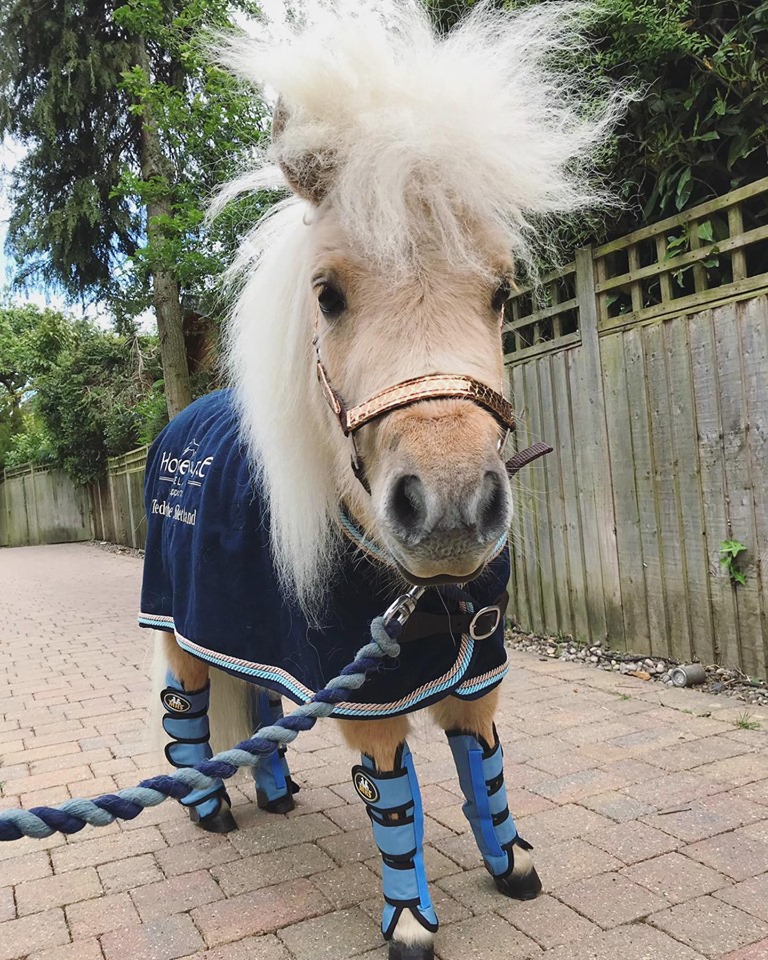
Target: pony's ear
column 309, row 173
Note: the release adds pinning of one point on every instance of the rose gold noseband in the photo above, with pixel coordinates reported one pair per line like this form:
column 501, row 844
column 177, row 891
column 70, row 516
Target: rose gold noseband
column 433, row 386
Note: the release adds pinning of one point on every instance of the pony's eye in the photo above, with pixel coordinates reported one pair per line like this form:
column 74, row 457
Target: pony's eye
column 501, row 295
column 331, row 301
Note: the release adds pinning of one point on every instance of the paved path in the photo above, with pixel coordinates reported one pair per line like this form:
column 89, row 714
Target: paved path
column 648, row 809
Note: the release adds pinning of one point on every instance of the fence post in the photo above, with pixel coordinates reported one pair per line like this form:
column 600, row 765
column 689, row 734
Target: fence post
column 112, row 497
column 33, row 487
column 130, row 505
column 593, row 460
column 5, row 526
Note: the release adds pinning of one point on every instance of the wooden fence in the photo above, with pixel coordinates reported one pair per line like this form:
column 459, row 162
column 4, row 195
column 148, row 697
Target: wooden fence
column 117, row 502
column 42, row 506
column 645, row 365
column 38, row 505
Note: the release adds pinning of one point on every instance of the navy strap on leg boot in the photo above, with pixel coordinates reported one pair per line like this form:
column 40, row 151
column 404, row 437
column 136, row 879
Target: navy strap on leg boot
column 393, row 801
column 186, row 722
column 274, row 786
column 481, row 774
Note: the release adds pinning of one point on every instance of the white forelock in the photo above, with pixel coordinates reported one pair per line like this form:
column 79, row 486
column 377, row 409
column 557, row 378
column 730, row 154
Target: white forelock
column 427, row 133
column 428, row 137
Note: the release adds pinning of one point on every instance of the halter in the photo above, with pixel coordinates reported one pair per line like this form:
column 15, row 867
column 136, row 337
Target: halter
column 432, row 386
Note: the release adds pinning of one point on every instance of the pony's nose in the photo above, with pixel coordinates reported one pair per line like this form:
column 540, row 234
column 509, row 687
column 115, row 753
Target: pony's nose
column 479, row 511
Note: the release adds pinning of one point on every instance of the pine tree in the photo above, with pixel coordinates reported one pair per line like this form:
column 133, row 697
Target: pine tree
column 127, row 128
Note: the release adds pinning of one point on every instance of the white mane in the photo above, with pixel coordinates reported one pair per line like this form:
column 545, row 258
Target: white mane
column 428, row 134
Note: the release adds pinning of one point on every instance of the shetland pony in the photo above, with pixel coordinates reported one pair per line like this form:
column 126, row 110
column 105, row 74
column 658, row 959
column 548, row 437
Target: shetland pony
column 423, row 171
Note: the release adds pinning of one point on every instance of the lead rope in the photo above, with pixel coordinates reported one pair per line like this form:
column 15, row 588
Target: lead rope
column 72, row 815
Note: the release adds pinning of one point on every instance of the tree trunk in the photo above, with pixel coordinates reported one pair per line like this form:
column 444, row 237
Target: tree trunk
column 173, row 350
column 165, row 286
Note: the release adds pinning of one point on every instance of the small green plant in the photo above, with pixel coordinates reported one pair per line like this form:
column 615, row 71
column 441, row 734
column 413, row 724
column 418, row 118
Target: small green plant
column 681, row 244
column 745, row 723
column 624, row 696
column 730, row 550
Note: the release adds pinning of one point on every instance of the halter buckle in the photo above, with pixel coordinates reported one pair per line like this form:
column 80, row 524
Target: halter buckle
column 485, row 623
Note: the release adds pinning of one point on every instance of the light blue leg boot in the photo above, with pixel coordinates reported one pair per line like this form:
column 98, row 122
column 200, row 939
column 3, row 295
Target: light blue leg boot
column 481, row 774
column 274, row 786
column 186, row 722
column 394, row 806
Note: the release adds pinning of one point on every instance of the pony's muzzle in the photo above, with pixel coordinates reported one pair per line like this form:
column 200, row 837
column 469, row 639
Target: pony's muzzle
column 441, row 527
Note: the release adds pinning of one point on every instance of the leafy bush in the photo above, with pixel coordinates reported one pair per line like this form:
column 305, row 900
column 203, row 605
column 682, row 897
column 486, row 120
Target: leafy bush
column 153, row 412
column 32, row 446
column 90, row 402
column 701, row 126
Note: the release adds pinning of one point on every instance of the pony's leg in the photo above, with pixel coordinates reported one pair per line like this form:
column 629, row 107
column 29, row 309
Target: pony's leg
column 186, row 699
column 387, row 782
column 479, row 761
column 274, row 786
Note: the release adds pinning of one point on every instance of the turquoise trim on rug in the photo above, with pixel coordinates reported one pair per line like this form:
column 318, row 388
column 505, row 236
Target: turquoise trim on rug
column 302, row 695
column 474, row 686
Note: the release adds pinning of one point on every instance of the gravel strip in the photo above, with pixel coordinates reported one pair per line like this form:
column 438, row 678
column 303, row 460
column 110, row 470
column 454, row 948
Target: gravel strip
column 732, row 683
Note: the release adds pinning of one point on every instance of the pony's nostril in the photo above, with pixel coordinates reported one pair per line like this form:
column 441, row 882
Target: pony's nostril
column 408, row 507
column 492, row 504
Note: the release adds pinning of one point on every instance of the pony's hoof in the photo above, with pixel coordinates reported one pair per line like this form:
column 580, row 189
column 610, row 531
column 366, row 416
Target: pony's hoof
column 220, row 822
column 281, row 805
column 401, row 951
column 525, row 887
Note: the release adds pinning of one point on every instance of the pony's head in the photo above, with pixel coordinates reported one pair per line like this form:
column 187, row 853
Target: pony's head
column 423, row 171
column 439, row 495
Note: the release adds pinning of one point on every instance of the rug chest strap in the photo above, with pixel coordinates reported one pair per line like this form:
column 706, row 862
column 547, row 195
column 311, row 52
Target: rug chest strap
column 479, row 624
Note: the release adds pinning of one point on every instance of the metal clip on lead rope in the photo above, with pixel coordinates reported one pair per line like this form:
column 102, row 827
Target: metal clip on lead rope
column 399, row 611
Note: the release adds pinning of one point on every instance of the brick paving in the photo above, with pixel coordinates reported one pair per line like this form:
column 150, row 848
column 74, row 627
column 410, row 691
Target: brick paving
column 648, row 808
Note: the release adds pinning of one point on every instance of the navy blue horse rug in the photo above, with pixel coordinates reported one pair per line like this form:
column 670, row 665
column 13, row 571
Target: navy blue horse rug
column 209, row 578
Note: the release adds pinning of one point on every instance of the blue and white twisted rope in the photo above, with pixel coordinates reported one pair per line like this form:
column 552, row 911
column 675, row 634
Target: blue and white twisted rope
column 73, row 815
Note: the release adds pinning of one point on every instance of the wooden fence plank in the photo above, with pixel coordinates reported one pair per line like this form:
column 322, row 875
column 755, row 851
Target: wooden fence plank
column 527, row 495
column 538, row 476
column 561, row 364
column 19, row 532
column 593, row 459
column 533, row 516
column 713, row 485
column 687, row 478
column 30, row 498
column 642, row 461
column 727, row 322
column 581, row 391
column 3, row 514
column 735, row 229
column 521, row 608
column 664, row 457
column 553, row 465
column 138, row 517
column 628, row 543
column 754, row 345
column 642, row 453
